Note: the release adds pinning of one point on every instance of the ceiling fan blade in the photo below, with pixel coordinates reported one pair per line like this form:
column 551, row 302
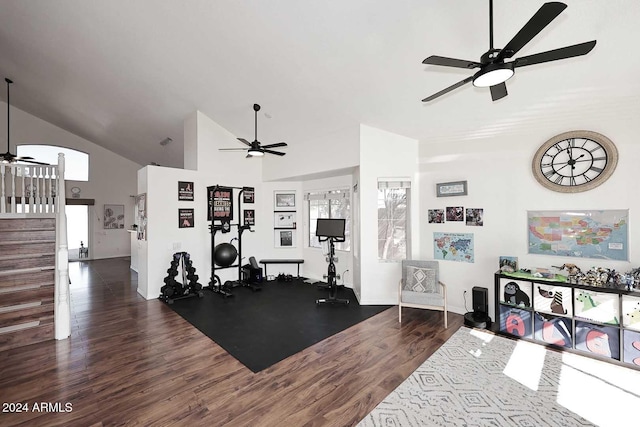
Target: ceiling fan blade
column 556, row 54
column 244, row 141
column 449, row 89
column 279, row 144
column 450, row 62
column 498, row 91
column 277, row 153
column 25, row 158
column 543, row 17
column 232, row 149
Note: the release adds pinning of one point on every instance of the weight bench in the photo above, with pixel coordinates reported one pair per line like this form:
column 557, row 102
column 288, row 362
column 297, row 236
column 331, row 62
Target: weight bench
column 281, row 261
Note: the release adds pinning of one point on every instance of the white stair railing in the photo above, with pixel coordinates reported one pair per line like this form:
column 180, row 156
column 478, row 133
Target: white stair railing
column 62, row 309
column 28, row 190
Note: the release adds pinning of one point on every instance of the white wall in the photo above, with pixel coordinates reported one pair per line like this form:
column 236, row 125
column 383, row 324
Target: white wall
column 315, row 258
column 335, row 151
column 112, row 178
column 500, row 181
column 382, row 155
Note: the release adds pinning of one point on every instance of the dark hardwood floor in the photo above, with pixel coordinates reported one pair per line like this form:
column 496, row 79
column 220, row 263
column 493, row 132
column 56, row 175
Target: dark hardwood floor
column 137, row 363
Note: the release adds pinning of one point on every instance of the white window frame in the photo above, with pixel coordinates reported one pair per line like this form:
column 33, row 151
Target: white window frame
column 339, row 194
column 384, row 186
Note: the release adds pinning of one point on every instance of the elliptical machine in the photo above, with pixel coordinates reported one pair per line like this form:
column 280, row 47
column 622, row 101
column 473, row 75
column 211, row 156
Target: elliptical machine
column 331, row 230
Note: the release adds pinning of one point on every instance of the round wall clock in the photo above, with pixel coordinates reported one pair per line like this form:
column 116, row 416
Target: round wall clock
column 575, row 161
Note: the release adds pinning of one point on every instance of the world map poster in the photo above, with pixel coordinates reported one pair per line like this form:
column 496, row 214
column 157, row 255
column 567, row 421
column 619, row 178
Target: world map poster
column 453, row 246
column 584, row 234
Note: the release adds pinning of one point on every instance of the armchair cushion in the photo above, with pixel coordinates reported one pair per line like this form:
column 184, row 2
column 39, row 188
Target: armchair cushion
column 421, row 280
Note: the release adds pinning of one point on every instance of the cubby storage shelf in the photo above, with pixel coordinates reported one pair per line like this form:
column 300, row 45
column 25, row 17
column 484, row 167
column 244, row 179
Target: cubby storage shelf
column 602, row 322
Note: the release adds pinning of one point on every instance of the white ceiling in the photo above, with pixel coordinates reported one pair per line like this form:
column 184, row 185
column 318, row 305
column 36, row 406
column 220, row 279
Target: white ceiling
column 124, row 74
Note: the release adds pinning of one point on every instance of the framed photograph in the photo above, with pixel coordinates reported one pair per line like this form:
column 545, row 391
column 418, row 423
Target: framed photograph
column 285, row 200
column 285, row 219
column 455, row 213
column 475, row 216
column 285, row 238
column 447, row 189
column 185, row 218
column 249, row 217
column 113, row 217
column 436, row 216
column 248, row 195
column 185, row 190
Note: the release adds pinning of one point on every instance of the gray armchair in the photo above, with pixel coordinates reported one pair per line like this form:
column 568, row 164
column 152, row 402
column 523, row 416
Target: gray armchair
column 421, row 287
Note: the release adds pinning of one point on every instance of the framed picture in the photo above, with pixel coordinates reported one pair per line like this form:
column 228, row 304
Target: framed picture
column 447, row 189
column 185, row 218
column 285, row 200
column 475, row 217
column 285, row 219
column 113, row 217
column 455, row 213
column 285, row 238
column 249, row 217
column 248, row 195
column 185, row 190
column 436, row 216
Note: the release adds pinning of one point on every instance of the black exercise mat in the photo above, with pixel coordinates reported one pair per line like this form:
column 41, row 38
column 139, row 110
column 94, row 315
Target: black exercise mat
column 264, row 327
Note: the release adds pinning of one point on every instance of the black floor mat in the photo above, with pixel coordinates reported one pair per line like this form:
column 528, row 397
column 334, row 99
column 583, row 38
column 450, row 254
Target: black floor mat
column 262, row 328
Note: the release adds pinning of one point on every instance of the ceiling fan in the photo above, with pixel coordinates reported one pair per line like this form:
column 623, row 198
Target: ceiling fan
column 8, row 157
column 255, row 148
column 494, row 71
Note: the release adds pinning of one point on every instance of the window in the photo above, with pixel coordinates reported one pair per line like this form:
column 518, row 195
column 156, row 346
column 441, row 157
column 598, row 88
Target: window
column 393, row 220
column 329, row 204
column 76, row 163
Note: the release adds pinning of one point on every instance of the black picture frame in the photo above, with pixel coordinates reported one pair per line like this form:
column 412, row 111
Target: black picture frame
column 186, row 218
column 185, row 190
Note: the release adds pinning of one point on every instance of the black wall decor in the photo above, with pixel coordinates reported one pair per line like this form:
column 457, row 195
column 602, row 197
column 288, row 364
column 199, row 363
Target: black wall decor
column 185, row 190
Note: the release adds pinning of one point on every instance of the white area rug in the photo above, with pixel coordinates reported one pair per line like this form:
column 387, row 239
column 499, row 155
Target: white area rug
column 481, row 379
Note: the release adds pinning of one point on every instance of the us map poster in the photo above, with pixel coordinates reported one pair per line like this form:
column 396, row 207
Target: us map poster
column 602, row 234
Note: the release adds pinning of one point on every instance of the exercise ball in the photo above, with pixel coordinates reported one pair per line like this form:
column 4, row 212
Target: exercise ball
column 225, row 254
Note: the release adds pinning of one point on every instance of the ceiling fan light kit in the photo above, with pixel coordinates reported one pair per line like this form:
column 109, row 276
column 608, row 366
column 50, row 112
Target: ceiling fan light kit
column 492, row 75
column 494, row 71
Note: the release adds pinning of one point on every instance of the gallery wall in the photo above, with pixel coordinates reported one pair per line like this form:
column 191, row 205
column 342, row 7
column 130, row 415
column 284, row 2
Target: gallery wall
column 112, row 178
column 500, row 181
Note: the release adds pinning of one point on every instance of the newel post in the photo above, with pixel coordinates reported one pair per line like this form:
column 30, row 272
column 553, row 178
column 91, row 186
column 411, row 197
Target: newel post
column 62, row 309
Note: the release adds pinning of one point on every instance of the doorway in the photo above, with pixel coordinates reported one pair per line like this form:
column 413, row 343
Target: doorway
column 78, row 231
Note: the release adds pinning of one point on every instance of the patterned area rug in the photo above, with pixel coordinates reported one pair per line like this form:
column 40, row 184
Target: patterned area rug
column 481, row 379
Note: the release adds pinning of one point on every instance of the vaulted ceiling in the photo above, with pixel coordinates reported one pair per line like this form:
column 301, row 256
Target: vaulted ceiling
column 124, row 74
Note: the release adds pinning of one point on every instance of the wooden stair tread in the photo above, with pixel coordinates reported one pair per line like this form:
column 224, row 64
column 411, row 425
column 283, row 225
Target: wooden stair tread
column 26, row 270
column 26, row 242
column 23, row 256
column 20, row 288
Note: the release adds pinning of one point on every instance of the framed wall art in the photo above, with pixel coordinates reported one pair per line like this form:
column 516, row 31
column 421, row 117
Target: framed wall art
column 285, row 201
column 447, row 189
column 113, row 217
column 284, row 219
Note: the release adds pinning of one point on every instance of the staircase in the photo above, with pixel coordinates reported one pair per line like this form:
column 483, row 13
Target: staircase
column 27, row 273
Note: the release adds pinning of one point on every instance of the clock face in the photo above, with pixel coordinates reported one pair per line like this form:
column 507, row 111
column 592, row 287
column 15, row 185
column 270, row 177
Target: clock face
column 575, row 161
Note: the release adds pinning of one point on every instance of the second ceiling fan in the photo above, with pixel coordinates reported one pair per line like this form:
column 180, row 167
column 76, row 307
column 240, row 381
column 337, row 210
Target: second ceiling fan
column 494, row 71
column 255, row 148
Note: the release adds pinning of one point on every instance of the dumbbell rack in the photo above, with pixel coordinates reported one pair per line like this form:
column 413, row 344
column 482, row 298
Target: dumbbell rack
column 189, row 287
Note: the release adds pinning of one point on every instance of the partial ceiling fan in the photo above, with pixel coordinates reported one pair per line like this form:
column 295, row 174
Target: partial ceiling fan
column 8, row 157
column 255, row 148
column 494, row 71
